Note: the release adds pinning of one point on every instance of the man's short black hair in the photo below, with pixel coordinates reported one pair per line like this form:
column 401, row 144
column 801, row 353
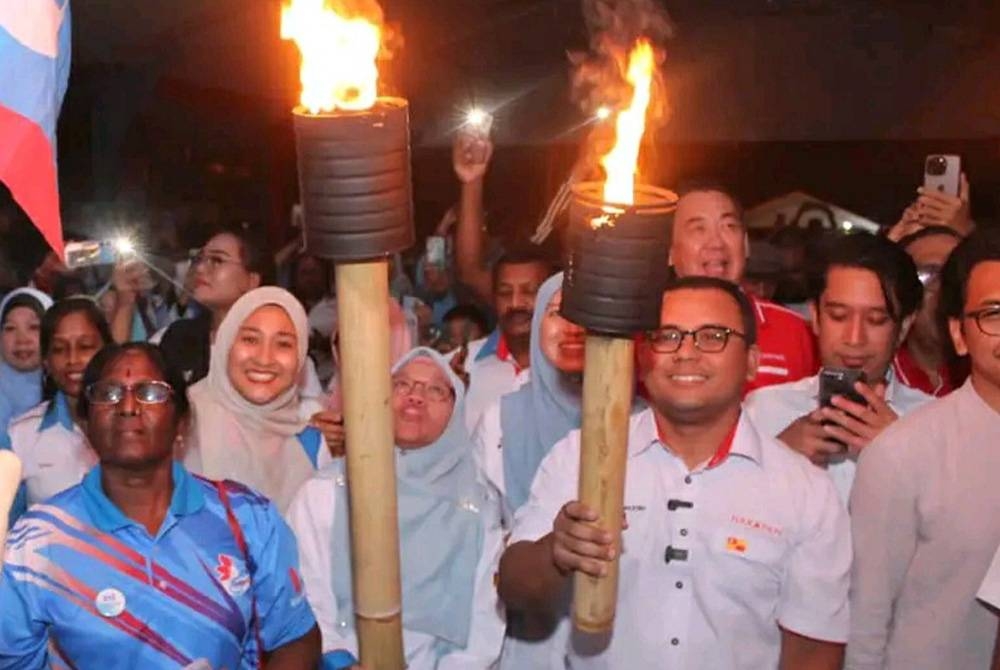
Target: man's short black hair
column 467, row 311
column 729, row 288
column 929, row 231
column 982, row 246
column 522, row 255
column 112, row 352
column 710, row 185
column 896, row 271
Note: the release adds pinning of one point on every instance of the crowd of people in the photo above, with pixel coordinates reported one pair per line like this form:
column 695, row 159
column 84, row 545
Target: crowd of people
column 184, row 501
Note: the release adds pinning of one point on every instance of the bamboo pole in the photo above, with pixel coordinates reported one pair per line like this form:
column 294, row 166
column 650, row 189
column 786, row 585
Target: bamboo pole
column 607, row 402
column 10, row 479
column 363, row 315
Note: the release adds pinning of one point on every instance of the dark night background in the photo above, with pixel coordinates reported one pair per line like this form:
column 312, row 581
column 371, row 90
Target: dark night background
column 178, row 111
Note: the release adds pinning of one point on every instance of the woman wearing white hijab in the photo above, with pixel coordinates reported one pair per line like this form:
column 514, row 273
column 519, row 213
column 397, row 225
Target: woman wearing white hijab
column 449, row 531
column 248, row 424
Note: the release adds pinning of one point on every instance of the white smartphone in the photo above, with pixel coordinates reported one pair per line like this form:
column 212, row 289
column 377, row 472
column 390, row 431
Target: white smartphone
column 942, row 173
column 90, row 252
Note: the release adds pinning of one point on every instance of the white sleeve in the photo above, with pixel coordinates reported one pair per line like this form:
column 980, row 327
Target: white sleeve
column 555, row 484
column 989, row 592
column 486, row 633
column 488, row 449
column 311, row 517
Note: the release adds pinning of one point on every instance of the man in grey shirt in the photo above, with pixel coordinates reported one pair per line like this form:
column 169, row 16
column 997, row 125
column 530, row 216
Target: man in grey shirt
column 862, row 304
column 925, row 499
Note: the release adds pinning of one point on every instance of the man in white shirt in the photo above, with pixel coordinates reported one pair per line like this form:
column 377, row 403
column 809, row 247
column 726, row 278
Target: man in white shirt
column 498, row 364
column 737, row 551
column 864, row 301
column 923, row 507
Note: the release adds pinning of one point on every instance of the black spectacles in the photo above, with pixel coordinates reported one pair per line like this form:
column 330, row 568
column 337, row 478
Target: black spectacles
column 707, row 339
column 987, row 320
column 211, row 261
column 145, row 393
column 434, row 392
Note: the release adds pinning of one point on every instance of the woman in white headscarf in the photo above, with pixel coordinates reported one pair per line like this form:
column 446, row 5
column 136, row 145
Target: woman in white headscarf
column 248, row 424
column 449, row 532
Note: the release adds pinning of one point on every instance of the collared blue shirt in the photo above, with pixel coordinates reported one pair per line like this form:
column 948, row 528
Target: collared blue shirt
column 105, row 592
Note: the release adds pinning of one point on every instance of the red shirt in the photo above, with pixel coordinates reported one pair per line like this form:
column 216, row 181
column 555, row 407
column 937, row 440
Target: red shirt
column 909, row 373
column 787, row 346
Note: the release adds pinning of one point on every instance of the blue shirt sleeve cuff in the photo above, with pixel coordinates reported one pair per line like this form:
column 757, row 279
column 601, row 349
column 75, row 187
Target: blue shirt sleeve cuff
column 339, row 659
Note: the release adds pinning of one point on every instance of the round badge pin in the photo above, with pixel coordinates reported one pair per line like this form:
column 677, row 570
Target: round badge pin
column 110, row 602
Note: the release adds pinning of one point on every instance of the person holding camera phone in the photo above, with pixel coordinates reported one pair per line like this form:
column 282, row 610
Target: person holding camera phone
column 864, row 301
column 942, row 200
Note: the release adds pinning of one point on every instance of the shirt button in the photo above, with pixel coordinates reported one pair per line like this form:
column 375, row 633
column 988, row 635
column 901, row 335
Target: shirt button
column 684, row 532
column 679, row 585
column 687, row 480
column 675, row 641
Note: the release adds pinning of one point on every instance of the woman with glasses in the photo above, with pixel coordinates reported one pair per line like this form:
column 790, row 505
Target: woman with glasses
column 450, row 532
column 229, row 265
column 516, row 433
column 142, row 565
column 50, row 439
column 249, row 421
column 20, row 362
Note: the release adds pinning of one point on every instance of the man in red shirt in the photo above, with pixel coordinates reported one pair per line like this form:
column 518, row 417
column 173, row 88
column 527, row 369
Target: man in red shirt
column 709, row 239
column 921, row 362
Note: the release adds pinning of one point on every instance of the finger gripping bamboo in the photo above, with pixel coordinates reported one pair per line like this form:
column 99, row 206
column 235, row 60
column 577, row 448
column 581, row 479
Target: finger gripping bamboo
column 363, row 314
column 607, row 402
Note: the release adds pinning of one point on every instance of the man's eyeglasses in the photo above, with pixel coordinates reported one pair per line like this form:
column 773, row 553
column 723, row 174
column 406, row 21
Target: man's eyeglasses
column 434, row 392
column 707, row 339
column 145, row 393
column 987, row 320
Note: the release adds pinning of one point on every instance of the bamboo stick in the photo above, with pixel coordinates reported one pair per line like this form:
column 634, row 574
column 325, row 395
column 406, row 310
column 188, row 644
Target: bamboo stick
column 10, row 479
column 363, row 314
column 607, row 402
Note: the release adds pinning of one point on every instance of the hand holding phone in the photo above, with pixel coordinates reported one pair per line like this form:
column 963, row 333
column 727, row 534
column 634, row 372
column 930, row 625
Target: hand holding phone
column 857, row 418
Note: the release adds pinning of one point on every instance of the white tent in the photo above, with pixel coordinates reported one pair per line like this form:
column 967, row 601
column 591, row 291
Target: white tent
column 803, row 210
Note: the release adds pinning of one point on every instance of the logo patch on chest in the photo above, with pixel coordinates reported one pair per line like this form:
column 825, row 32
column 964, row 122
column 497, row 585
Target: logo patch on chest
column 232, row 575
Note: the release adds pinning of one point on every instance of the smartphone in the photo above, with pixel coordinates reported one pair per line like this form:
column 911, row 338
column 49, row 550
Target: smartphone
column 90, row 252
column 436, row 251
column 942, row 173
column 479, row 122
column 840, row 381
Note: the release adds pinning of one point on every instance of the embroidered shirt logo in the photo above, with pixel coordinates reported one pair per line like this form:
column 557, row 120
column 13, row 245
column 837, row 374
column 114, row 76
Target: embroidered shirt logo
column 736, row 545
column 756, row 524
column 232, row 575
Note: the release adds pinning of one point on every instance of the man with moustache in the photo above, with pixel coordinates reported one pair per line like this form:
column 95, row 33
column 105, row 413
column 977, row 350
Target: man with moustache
column 864, row 301
column 736, row 553
column 923, row 507
column 709, row 239
column 498, row 364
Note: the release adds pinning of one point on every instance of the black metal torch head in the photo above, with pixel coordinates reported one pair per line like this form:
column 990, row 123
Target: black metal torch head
column 354, row 181
column 617, row 267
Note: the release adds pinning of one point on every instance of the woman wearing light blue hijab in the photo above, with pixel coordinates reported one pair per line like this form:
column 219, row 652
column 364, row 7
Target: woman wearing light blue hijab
column 512, row 439
column 449, row 525
column 20, row 352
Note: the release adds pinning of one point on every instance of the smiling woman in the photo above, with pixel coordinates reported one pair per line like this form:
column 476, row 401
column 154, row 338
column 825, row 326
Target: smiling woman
column 20, row 376
column 248, row 425
column 49, row 438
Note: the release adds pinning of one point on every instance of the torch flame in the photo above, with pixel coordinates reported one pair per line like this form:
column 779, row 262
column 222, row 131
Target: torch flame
column 621, row 163
column 338, row 55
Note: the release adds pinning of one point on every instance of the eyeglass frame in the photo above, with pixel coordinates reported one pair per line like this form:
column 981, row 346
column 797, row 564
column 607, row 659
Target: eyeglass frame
column 977, row 315
column 129, row 389
column 407, row 387
column 213, row 262
column 728, row 332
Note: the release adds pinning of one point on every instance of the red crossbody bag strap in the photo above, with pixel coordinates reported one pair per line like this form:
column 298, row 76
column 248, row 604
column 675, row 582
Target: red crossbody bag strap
column 241, row 542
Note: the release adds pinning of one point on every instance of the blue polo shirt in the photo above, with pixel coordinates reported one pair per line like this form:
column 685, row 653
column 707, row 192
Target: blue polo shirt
column 107, row 594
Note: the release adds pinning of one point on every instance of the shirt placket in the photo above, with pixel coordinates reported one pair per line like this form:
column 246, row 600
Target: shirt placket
column 680, row 558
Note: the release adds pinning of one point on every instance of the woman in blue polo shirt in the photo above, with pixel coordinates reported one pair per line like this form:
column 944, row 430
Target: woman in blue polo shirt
column 48, row 438
column 143, row 565
column 250, row 422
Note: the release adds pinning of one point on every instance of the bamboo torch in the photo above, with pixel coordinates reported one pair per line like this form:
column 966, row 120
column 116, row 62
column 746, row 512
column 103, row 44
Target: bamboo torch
column 614, row 283
column 354, row 179
column 10, row 479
